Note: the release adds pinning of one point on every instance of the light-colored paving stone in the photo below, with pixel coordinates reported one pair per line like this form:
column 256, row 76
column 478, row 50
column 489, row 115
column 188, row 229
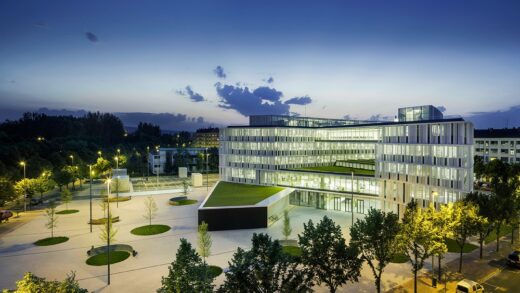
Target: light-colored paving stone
column 143, row 273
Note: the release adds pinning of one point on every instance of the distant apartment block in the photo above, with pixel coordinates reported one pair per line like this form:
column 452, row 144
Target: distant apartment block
column 206, row 138
column 167, row 160
column 498, row 144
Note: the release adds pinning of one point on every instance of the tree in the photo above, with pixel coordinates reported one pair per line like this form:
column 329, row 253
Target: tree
column 185, row 186
column 264, row 268
column 287, row 230
column 204, row 241
column 25, row 187
column 444, row 220
column 103, row 205
column 325, row 255
column 66, row 197
column 52, row 219
column 43, row 183
column 102, row 167
column 150, row 209
column 104, row 234
column 418, row 237
column 466, row 222
column 376, row 238
column 33, row 283
column 186, row 273
column 62, row 178
column 486, row 209
column 7, row 192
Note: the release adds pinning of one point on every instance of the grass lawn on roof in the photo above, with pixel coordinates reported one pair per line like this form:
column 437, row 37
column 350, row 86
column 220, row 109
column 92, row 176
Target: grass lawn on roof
column 236, row 194
column 338, row 169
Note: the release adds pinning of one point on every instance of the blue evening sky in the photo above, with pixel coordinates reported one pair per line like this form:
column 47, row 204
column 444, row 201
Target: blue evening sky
column 337, row 58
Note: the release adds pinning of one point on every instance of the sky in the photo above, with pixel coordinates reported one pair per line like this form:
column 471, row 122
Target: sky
column 216, row 62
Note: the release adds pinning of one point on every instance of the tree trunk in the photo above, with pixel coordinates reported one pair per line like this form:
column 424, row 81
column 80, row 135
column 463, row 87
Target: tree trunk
column 41, row 196
column 415, row 281
column 498, row 237
column 439, row 274
column 378, row 284
column 460, row 258
column 512, row 233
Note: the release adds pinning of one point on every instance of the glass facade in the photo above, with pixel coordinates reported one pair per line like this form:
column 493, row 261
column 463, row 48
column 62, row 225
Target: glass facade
column 419, row 113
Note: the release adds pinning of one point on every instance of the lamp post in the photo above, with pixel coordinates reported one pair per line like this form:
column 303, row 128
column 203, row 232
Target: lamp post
column 352, row 197
column 72, row 160
column 109, row 221
column 22, row 163
column 158, row 166
column 207, row 169
column 99, row 153
column 147, row 162
column 117, row 180
column 90, row 186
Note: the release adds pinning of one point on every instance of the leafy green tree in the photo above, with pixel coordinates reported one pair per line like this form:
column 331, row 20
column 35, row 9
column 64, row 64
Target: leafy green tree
column 376, row 238
column 102, row 167
column 326, row 257
column 286, row 230
column 486, row 209
column 74, row 174
column 66, row 197
column 52, row 218
column 205, row 241
column 150, row 209
column 25, row 187
column 264, row 268
column 7, row 192
column 444, row 219
column 62, row 178
column 418, row 238
column 33, row 283
column 43, row 183
column 186, row 273
column 467, row 221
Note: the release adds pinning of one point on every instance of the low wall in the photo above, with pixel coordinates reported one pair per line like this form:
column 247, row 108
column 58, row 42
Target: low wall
column 232, row 218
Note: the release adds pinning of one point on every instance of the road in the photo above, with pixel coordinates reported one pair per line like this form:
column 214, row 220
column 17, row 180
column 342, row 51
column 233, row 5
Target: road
column 507, row 280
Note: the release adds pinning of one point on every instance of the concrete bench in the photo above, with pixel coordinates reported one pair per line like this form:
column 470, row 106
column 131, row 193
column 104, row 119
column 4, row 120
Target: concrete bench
column 115, row 247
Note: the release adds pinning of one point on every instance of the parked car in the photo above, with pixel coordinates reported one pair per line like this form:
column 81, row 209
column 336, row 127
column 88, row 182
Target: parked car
column 5, row 215
column 513, row 259
column 469, row 286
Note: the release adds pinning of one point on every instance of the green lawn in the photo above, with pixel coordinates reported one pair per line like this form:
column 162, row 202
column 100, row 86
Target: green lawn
column 51, row 241
column 504, row 230
column 362, row 161
column 338, row 169
column 454, row 247
column 66, row 212
column 292, row 250
column 102, row 259
column 150, row 230
column 214, row 271
column 182, row 202
column 236, row 194
column 399, row 258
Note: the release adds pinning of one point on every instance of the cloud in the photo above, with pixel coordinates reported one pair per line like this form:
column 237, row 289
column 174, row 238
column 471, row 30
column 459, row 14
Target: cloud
column 91, row 37
column 441, row 108
column 496, row 119
column 299, row 101
column 269, row 80
column 194, row 97
column 247, row 103
column 379, row 117
column 219, row 72
column 347, row 117
column 267, row 93
column 41, row 24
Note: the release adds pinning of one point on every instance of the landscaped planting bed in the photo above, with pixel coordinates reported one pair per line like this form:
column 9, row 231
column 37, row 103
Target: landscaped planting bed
column 51, row 241
column 236, row 194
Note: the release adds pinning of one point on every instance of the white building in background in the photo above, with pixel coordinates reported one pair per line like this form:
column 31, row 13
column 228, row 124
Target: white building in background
column 158, row 160
column 498, row 144
column 383, row 164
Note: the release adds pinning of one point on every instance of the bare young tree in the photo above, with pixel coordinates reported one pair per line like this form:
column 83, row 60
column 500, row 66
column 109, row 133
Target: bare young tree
column 150, row 209
column 52, row 218
column 104, row 234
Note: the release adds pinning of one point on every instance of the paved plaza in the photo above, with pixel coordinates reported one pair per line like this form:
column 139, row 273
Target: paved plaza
column 143, row 273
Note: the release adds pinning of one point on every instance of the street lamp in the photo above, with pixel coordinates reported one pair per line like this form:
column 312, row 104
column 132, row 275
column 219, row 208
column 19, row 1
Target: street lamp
column 109, row 221
column 117, row 180
column 99, row 153
column 159, row 165
column 72, row 160
column 90, row 172
column 147, row 162
column 207, row 169
column 22, row 163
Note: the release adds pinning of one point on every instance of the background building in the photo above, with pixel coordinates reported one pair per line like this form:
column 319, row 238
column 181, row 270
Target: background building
column 206, row 138
column 498, row 144
column 353, row 166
